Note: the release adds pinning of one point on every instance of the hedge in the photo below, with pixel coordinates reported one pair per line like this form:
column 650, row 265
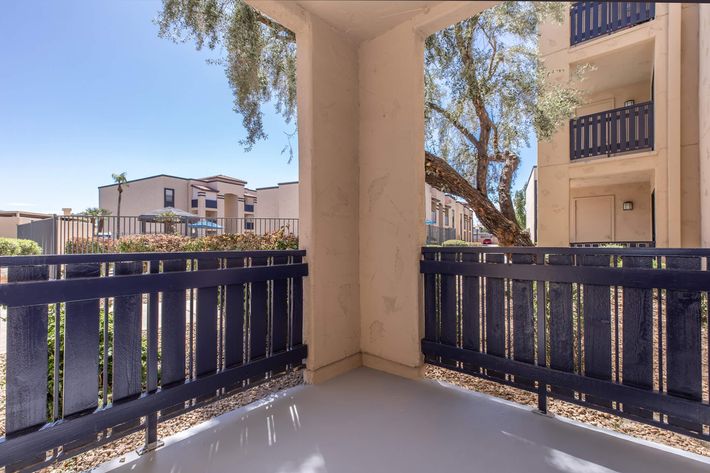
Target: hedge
column 170, row 243
column 18, row 247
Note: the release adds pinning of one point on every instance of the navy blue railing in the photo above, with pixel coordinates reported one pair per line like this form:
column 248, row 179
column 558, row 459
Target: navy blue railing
column 618, row 330
column 589, row 20
column 612, row 131
column 217, row 322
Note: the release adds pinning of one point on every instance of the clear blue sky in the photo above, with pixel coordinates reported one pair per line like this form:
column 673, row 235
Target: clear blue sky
column 88, row 89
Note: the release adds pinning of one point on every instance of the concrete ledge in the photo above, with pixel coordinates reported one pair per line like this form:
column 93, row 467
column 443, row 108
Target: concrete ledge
column 324, row 373
column 391, row 367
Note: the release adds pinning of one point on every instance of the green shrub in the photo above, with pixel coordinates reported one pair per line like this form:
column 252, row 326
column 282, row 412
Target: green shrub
column 89, row 245
column 167, row 243
column 152, row 243
column 18, row 247
column 455, row 243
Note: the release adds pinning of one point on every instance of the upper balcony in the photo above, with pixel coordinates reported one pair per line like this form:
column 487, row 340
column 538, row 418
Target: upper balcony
column 589, row 20
column 609, row 132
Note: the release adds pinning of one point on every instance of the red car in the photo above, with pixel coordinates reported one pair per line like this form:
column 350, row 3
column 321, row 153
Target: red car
column 487, row 241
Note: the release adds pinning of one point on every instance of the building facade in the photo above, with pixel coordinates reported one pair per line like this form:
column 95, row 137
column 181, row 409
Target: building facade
column 209, row 197
column 10, row 219
column 626, row 168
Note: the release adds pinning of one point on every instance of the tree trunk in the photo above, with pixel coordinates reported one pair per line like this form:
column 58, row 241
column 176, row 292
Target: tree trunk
column 118, row 216
column 441, row 175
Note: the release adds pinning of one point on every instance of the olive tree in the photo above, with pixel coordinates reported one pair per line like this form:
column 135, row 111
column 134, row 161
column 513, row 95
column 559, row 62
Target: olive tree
column 486, row 91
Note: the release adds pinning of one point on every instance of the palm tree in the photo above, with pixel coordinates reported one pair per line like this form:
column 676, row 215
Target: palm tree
column 121, row 180
column 97, row 217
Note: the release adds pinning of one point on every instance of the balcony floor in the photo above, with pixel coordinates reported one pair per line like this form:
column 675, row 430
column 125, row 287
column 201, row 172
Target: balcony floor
column 370, row 421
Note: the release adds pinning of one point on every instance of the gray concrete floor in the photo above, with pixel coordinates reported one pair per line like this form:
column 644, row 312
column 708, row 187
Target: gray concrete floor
column 367, row 421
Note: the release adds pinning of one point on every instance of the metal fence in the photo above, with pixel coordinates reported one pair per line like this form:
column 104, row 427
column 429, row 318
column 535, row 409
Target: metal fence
column 589, row 20
column 613, row 244
column 53, row 234
column 105, row 345
column 624, row 331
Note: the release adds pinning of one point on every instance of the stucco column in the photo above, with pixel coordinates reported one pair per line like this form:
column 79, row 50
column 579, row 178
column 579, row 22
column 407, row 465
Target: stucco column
column 201, row 204
column 704, row 129
column 328, row 200
column 392, row 192
column 220, row 206
column 673, row 71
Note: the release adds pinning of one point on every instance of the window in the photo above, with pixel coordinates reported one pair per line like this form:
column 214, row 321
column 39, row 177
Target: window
column 168, row 197
column 433, row 211
column 446, row 217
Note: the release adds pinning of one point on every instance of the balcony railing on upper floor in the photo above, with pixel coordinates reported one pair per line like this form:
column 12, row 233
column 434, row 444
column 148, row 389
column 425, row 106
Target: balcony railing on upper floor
column 589, row 20
column 210, row 204
column 612, row 131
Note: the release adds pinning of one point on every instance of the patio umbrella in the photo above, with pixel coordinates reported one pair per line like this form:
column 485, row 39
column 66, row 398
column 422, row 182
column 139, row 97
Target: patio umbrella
column 158, row 214
column 205, row 224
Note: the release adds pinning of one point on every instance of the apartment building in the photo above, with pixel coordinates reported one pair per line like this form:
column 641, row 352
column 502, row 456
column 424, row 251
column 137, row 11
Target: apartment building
column 627, row 167
column 208, row 197
column 279, row 201
column 447, row 218
column 10, row 219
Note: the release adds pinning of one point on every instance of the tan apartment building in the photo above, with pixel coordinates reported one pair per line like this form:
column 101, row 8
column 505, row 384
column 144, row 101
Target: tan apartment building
column 447, row 218
column 10, row 219
column 209, row 197
column 626, row 168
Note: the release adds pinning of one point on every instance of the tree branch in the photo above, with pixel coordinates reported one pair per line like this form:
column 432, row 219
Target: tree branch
column 456, row 123
column 441, row 175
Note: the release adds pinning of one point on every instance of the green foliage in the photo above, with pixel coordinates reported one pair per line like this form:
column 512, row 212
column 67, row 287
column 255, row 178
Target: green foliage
column 120, row 179
column 167, row 243
column 19, row 247
column 455, row 243
column 103, row 345
column 170, row 243
column 89, row 245
column 259, row 57
column 487, row 91
column 96, row 212
column 519, row 203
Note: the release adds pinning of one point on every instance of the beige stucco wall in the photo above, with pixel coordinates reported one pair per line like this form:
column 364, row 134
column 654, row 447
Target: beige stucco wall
column 144, row 195
column 530, row 204
column 629, row 225
column 361, row 202
column 674, row 162
column 279, row 201
column 704, row 119
column 8, row 227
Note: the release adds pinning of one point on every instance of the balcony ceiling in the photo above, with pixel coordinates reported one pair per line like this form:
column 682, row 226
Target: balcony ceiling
column 369, row 421
column 364, row 20
column 623, row 67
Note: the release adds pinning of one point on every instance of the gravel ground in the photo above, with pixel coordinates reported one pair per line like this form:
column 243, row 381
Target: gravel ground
column 571, row 411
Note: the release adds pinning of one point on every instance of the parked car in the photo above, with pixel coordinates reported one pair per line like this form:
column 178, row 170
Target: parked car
column 487, row 241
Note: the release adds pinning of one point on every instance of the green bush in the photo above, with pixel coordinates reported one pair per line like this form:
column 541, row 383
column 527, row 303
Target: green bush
column 89, row 245
column 152, row 243
column 18, row 247
column 455, row 243
column 171, row 243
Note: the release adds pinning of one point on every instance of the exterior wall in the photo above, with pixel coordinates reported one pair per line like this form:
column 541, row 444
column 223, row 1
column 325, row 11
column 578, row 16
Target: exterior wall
column 145, row 195
column 674, row 161
column 10, row 220
column 629, row 225
column 531, row 204
column 704, row 120
column 280, row 201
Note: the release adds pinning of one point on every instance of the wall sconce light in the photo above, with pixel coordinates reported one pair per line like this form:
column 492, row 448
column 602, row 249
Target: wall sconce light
column 628, row 205
column 629, row 103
